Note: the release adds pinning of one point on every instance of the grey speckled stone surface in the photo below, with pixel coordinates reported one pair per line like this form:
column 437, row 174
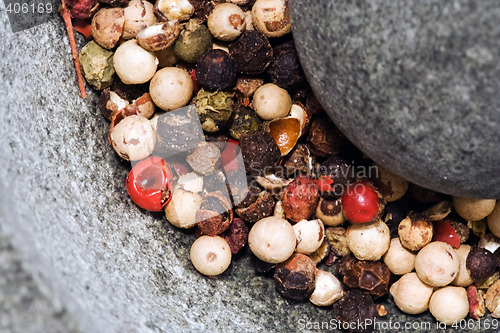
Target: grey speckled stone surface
column 113, row 267
column 414, row 84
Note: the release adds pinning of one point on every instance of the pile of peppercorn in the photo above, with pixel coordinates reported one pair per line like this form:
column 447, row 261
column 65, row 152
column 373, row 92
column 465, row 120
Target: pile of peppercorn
column 309, row 198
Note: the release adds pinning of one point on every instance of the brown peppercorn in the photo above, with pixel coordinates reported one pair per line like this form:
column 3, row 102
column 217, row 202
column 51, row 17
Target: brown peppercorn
column 236, row 236
column 215, row 214
column 481, row 263
column 245, row 121
column 300, row 198
column 295, row 277
column 252, row 52
column 372, row 276
column 285, row 70
column 260, row 152
column 492, row 299
column 353, row 308
column 299, row 160
column 215, row 70
column 329, row 211
column 324, row 137
column 415, row 231
column 262, row 207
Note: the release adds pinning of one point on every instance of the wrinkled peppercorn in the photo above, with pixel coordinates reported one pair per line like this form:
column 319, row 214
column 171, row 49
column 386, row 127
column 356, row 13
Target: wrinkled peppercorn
column 245, row 121
column 203, row 8
column 325, row 138
column 299, row 161
column 215, row 70
column 353, row 309
column 236, row 236
column 295, row 277
column 214, row 108
column 372, row 276
column 260, row 152
column 215, row 214
column 285, row 70
column 300, row 198
column 481, row 263
column 262, row 207
column 336, row 237
column 252, row 52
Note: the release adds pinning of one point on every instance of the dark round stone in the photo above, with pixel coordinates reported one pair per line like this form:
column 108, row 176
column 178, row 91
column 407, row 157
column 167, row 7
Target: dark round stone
column 415, row 87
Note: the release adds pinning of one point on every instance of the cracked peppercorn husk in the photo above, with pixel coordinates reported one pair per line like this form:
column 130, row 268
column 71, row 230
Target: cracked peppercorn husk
column 263, row 206
column 214, row 109
column 353, row 309
column 97, row 65
column 236, row 235
column 215, row 70
column 324, row 137
column 215, row 214
column 285, row 70
column 294, row 278
column 371, row 276
column 260, row 152
column 252, row 52
column 245, row 121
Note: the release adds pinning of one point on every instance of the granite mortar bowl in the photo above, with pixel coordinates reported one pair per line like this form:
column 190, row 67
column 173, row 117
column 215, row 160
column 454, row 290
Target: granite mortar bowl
column 414, row 85
column 115, row 267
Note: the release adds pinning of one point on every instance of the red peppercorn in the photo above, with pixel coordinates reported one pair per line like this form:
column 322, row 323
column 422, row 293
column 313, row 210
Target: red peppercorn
column 444, row 232
column 149, row 184
column 362, row 202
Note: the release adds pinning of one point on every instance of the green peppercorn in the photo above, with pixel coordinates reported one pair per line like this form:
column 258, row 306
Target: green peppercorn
column 214, row 109
column 193, row 41
column 97, row 65
column 245, row 121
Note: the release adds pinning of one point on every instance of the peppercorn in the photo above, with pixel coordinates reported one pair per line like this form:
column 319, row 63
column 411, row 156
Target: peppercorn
column 353, row 308
column 252, row 52
column 337, row 239
column 476, row 303
column 210, row 255
column 493, row 220
column 329, row 211
column 437, row 264
column 272, row 17
column 245, row 121
column 158, row 37
column 294, row 278
column 193, row 41
column 139, row 14
column 492, row 299
column 214, row 109
column 327, row 289
column 324, row 137
column 410, row 294
column 107, row 26
column 310, row 236
column 262, row 207
column 226, row 22
column 321, row 253
column 335, row 173
column 449, row 304
column 97, row 65
column 438, row 212
column 133, row 64
column 272, row 239
column 178, row 132
column 463, row 278
column 473, row 209
column 170, row 10
column 395, row 212
column 205, row 158
column 215, row 70
column 215, row 214
column 133, row 138
column 246, row 86
column 236, row 235
column 285, row 70
column 181, row 210
column 392, row 186
column 299, row 160
column 368, row 241
column 203, row 8
column 415, row 231
column 399, row 259
column 450, row 231
column 372, row 276
column 481, row 263
column 260, row 152
column 285, row 131
column 300, row 198
column 362, row 202
column 271, row 102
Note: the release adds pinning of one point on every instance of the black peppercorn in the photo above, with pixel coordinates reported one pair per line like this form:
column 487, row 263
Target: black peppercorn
column 260, row 152
column 252, row 52
column 354, row 311
column 285, row 70
column 481, row 263
column 339, row 172
column 295, row 277
column 215, row 70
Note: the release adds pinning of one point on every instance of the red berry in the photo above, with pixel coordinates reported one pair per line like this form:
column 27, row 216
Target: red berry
column 362, row 202
column 444, row 232
column 149, row 184
column 228, row 156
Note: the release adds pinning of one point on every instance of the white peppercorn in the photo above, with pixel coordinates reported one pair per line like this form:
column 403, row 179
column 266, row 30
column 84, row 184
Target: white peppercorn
column 133, row 138
column 410, row 294
column 368, row 241
column 493, row 220
column 139, row 14
column 210, row 255
column 182, row 208
column 310, row 235
column 271, row 102
column 272, row 17
column 171, row 88
column 463, row 278
column 272, row 239
column 226, row 21
column 473, row 209
column 327, row 289
column 449, row 304
column 399, row 259
column 133, row 64
column 437, row 264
